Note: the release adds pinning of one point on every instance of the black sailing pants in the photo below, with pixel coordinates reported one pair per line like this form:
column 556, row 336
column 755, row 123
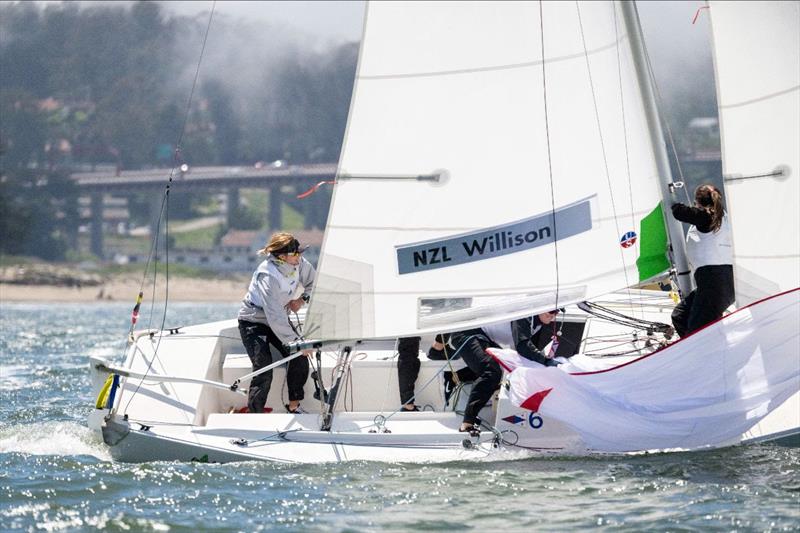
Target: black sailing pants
column 262, row 353
column 471, row 346
column 407, row 367
column 714, row 293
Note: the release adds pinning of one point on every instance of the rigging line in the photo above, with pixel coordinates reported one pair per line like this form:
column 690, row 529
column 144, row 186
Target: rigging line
column 448, row 357
column 196, row 77
column 164, row 212
column 453, row 372
column 625, row 141
column 135, row 312
column 155, row 264
column 604, row 313
column 624, row 121
column 153, row 252
column 179, row 143
column 389, row 375
column 603, row 148
column 549, row 153
column 166, row 267
column 431, row 380
column 659, row 106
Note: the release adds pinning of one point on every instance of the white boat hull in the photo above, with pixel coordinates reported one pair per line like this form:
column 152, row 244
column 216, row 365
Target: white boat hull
column 240, row 437
column 154, row 420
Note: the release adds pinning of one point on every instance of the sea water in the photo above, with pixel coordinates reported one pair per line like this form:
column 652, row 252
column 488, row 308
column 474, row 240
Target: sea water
column 55, row 477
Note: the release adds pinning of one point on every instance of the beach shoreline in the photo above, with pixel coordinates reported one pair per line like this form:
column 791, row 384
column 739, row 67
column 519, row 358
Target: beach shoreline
column 123, row 289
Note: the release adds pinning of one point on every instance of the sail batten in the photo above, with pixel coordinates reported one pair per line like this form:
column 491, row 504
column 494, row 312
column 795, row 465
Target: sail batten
column 489, row 68
column 761, row 98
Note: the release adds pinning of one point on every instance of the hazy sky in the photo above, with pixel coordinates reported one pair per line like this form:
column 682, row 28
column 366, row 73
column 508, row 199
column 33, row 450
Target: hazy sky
column 679, row 49
column 668, row 28
column 666, row 23
column 342, row 20
column 330, row 20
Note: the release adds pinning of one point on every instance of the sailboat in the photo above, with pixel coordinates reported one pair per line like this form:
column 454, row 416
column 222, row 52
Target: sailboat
column 500, row 160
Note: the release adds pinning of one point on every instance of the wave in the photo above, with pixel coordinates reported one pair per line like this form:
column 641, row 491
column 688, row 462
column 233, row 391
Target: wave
column 52, row 438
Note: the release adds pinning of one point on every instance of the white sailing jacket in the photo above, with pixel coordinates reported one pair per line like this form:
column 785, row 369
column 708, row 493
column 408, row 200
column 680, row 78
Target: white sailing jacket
column 273, row 285
column 712, row 248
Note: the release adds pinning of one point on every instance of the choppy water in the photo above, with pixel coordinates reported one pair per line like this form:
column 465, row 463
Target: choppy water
column 54, row 477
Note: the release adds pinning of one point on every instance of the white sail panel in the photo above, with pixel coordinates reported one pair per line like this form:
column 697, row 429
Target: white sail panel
column 457, row 89
column 673, row 398
column 757, row 60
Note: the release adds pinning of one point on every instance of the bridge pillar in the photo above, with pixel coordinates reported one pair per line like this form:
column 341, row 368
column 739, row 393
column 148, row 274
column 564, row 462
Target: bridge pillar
column 232, row 206
column 96, row 234
column 275, row 205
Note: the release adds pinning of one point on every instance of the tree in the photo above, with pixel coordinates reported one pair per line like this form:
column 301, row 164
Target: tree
column 36, row 213
column 226, row 132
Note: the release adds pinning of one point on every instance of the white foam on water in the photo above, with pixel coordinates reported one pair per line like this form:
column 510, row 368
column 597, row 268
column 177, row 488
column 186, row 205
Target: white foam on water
column 507, row 454
column 52, row 438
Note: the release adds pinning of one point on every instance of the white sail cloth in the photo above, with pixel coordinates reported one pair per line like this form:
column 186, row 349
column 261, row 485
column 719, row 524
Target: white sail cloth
column 757, row 60
column 544, row 173
column 706, row 390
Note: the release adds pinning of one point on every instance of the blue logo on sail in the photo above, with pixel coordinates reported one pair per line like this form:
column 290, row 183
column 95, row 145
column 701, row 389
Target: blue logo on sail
column 498, row 241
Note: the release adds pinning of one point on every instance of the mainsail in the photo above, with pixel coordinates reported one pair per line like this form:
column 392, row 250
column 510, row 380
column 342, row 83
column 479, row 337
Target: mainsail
column 496, row 163
column 757, row 60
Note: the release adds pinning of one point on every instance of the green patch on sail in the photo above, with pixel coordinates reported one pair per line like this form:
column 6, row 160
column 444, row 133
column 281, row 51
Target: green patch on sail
column 652, row 245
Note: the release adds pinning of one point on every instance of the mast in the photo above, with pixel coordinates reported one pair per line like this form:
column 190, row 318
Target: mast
column 674, row 229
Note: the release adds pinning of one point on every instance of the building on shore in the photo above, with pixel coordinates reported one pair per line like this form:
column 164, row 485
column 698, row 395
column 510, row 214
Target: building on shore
column 236, row 252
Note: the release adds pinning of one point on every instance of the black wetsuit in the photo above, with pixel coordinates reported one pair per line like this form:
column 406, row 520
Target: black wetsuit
column 471, row 346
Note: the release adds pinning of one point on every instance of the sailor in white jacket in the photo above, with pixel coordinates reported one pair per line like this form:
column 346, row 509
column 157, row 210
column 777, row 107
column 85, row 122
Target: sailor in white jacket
column 265, row 314
column 708, row 247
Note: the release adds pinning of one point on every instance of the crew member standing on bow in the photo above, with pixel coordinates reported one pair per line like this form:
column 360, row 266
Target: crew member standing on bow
column 708, row 248
column 265, row 313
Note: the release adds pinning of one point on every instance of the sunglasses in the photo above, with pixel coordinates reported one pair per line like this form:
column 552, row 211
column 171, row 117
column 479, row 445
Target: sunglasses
column 292, row 254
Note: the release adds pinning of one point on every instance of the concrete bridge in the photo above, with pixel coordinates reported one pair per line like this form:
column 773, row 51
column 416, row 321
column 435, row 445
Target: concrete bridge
column 276, row 177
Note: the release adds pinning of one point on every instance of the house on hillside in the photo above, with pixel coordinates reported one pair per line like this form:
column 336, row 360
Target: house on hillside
column 238, row 251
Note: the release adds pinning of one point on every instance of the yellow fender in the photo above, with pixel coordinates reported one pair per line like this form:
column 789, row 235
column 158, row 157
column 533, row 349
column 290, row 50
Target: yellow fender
column 102, row 398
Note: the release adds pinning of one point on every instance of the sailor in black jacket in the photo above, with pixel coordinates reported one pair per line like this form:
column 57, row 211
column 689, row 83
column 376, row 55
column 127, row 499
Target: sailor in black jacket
column 521, row 335
column 527, row 334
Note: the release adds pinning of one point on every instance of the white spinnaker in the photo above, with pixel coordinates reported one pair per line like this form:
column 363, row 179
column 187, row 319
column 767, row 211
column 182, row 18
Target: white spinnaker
column 459, row 86
column 757, row 60
column 705, row 391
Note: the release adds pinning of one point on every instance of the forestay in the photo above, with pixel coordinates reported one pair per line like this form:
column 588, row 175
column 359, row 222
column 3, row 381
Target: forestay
column 542, row 175
column 757, row 60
